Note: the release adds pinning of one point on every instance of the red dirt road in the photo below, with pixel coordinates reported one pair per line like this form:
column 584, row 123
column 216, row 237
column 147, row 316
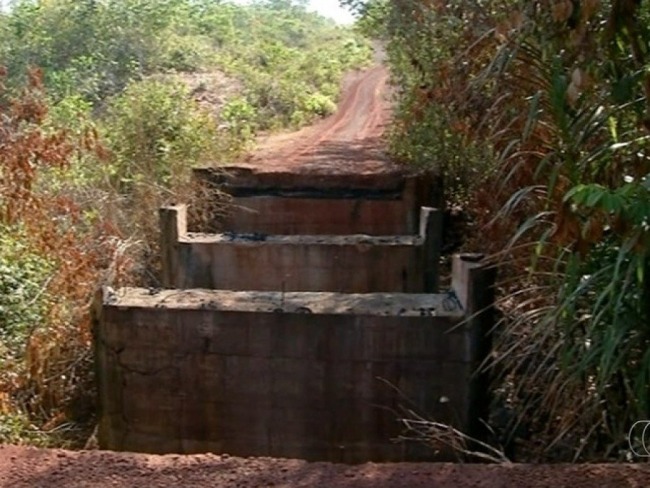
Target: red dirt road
column 38, row 468
column 349, row 141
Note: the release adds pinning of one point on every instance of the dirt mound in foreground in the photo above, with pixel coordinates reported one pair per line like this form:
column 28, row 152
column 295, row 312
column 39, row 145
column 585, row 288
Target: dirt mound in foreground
column 30, row 467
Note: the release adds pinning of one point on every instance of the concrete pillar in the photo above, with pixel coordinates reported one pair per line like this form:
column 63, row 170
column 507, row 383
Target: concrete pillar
column 173, row 226
column 473, row 281
column 412, row 203
column 423, row 189
column 430, row 190
column 431, row 231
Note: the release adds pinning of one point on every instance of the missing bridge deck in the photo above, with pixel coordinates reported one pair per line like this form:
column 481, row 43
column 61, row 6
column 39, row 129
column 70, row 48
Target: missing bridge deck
column 354, row 263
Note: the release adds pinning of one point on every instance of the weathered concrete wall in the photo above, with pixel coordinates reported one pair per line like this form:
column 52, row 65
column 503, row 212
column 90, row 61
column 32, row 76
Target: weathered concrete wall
column 345, row 264
column 337, row 204
column 292, row 215
column 303, row 375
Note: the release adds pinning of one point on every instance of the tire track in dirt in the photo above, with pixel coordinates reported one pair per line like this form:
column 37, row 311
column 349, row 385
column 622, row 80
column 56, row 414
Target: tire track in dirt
column 350, row 140
column 341, row 118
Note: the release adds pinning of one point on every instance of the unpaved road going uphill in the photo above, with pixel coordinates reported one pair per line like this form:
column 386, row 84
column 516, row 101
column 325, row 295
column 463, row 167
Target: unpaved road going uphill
column 37, row 468
column 350, row 140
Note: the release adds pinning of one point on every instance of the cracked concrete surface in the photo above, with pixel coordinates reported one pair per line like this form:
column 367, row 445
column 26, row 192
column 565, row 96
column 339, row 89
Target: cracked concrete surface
column 375, row 304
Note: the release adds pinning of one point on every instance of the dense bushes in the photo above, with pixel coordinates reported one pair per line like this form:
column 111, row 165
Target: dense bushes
column 539, row 112
column 282, row 54
column 153, row 129
column 23, row 281
column 52, row 257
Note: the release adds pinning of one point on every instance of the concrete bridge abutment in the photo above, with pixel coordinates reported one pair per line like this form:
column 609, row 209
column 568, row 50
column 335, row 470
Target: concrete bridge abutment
column 306, row 328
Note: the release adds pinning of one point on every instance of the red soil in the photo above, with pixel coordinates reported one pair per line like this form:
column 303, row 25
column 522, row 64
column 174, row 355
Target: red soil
column 350, row 141
column 28, row 467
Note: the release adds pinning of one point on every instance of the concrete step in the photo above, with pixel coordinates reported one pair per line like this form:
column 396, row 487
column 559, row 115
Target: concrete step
column 335, row 204
column 340, row 263
column 317, row 376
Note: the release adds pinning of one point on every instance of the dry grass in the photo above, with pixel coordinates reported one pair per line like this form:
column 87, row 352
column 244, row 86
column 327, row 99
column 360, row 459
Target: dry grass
column 93, row 236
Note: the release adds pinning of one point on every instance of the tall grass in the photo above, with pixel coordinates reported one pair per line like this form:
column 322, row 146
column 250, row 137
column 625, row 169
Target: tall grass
column 78, row 210
column 549, row 101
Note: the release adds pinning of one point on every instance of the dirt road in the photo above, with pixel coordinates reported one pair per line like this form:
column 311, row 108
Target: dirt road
column 348, row 141
column 36, row 468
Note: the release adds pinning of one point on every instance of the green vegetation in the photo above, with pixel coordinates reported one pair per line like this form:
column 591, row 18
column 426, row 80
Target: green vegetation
column 289, row 61
column 152, row 129
column 23, row 279
column 102, row 116
column 537, row 113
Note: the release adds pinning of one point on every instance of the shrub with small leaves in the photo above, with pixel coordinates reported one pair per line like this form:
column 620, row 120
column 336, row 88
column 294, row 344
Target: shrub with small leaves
column 23, row 296
column 155, row 132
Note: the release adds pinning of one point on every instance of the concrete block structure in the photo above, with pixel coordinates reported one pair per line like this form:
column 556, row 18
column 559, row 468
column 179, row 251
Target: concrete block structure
column 317, row 376
column 346, row 264
column 314, row 204
column 306, row 328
